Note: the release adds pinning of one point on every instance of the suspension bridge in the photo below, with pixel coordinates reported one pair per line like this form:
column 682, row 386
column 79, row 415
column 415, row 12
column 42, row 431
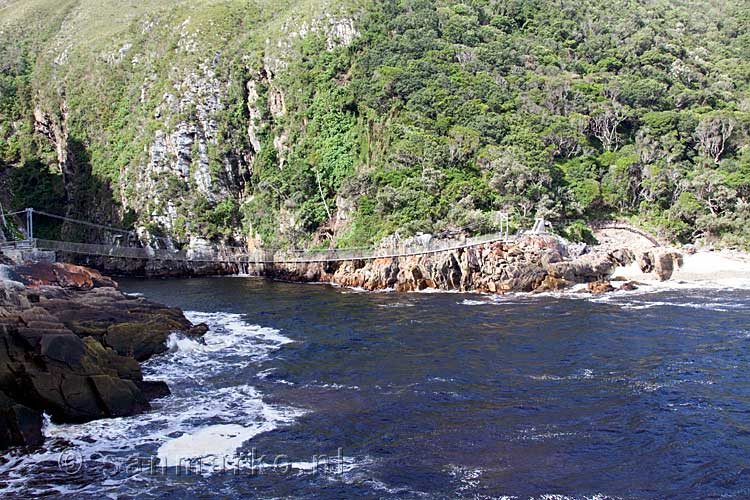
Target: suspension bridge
column 126, row 244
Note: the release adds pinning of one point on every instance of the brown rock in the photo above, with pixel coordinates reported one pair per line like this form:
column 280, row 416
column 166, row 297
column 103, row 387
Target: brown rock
column 551, row 283
column 645, row 262
column 665, row 264
column 65, row 276
column 600, row 287
column 55, row 356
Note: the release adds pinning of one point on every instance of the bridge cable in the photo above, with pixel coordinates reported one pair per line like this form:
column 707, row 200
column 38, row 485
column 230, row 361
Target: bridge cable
column 83, row 223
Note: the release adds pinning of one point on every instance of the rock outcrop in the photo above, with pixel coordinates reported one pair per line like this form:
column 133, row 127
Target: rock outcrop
column 143, row 268
column 70, row 346
column 533, row 263
column 659, row 261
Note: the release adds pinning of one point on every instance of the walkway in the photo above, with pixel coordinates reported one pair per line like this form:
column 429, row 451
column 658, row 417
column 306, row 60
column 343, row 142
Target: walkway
column 234, row 255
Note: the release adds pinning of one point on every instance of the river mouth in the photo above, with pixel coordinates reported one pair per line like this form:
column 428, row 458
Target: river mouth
column 302, row 391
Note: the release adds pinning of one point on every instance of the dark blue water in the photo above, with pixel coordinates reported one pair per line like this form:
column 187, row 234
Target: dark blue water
column 634, row 396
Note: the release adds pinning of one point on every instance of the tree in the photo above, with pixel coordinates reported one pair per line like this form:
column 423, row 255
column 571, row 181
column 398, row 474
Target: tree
column 604, row 126
column 713, row 133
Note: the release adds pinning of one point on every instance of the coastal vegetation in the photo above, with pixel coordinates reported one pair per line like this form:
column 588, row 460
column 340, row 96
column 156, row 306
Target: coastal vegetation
column 341, row 123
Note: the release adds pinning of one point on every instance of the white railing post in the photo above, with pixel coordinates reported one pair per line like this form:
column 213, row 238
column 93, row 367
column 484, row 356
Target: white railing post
column 30, row 223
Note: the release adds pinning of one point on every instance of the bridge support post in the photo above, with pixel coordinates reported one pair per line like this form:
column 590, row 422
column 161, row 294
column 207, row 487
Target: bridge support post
column 503, row 219
column 30, row 223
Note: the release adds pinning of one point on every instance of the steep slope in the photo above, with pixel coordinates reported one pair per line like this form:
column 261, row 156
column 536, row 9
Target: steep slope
column 302, row 122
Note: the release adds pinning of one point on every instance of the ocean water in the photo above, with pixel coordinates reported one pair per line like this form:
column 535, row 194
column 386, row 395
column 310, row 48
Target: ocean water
column 310, row 391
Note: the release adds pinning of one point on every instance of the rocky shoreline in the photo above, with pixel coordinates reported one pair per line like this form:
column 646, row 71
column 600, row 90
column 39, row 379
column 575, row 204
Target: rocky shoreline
column 71, row 346
column 534, row 263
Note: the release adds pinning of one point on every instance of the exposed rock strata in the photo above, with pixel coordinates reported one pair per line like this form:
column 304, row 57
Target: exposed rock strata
column 151, row 268
column 70, row 346
column 534, row 263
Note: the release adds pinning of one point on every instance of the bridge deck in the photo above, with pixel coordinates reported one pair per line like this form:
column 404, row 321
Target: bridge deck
column 244, row 256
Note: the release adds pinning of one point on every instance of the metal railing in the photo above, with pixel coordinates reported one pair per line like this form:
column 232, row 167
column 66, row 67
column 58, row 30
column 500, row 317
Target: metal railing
column 17, row 245
column 429, row 247
column 221, row 254
column 218, row 255
column 244, row 256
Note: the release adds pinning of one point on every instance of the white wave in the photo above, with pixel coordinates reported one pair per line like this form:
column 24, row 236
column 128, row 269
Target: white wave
column 355, row 289
column 215, row 441
column 545, row 433
column 641, row 301
column 716, row 306
column 468, row 477
column 471, row 302
column 556, row 496
column 436, row 290
column 585, row 373
column 653, row 386
column 230, row 342
column 177, row 427
column 333, row 386
column 178, row 342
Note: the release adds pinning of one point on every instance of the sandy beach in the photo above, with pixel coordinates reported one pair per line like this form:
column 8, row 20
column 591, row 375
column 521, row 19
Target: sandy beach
column 710, row 268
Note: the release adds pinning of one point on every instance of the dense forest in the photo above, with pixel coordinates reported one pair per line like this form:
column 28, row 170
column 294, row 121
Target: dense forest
column 342, row 123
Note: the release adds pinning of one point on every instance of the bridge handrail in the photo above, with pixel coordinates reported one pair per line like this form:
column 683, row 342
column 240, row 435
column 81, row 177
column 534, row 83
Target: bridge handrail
column 240, row 255
column 14, row 245
column 432, row 246
column 189, row 255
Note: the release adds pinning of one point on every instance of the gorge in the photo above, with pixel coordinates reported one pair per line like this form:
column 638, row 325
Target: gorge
column 377, row 249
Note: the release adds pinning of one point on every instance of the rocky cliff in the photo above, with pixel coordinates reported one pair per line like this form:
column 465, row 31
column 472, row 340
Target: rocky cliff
column 532, row 264
column 304, row 123
column 70, row 347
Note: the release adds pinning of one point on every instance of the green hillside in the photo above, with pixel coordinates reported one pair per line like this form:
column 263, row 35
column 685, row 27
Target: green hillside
column 324, row 122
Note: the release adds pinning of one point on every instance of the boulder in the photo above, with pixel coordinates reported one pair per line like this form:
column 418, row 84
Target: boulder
column 19, row 424
column 562, row 270
column 600, row 287
column 590, row 267
column 645, row 262
column 131, row 326
column 547, row 242
column 551, row 284
column 153, row 389
column 62, row 275
column 137, row 340
column 622, row 256
column 118, row 397
column 629, row 286
column 550, row 257
column 665, row 264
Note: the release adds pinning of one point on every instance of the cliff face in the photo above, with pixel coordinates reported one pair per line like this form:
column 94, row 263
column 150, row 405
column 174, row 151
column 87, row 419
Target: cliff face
column 534, row 263
column 318, row 122
column 157, row 116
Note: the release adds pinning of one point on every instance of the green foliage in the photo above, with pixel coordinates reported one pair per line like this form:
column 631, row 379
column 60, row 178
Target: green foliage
column 578, row 231
column 35, row 185
column 435, row 117
column 215, row 221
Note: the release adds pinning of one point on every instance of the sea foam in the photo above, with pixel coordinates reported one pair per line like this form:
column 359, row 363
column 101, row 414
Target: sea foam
column 198, row 420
